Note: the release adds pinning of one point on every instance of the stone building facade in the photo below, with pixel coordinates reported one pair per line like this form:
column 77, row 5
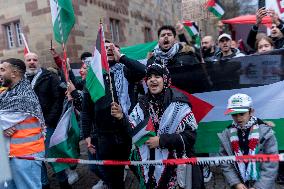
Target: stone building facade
column 126, row 22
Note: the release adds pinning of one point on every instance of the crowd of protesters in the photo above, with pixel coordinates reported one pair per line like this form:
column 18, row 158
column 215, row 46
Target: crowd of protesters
column 141, row 118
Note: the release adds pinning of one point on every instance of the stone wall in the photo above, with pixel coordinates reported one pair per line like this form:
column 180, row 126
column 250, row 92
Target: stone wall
column 35, row 20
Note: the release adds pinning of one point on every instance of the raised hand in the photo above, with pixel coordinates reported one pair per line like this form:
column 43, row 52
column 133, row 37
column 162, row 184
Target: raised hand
column 260, row 13
column 274, row 16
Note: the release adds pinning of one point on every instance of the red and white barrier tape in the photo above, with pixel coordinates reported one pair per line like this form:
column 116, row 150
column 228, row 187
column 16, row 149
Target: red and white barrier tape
column 195, row 160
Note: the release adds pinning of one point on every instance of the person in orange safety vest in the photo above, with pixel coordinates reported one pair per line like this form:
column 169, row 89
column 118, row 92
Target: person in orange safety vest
column 22, row 123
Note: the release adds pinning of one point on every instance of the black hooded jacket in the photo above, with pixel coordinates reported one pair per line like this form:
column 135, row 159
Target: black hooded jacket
column 50, row 95
column 278, row 42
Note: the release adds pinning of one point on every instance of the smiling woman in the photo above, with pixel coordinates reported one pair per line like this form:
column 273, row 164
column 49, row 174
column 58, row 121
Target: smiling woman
column 162, row 126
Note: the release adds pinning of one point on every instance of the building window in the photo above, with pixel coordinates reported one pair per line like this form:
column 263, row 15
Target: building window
column 148, row 34
column 114, row 29
column 18, row 33
column 13, row 34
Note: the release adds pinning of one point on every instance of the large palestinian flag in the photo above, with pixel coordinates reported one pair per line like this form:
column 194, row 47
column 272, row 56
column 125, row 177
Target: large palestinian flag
column 259, row 76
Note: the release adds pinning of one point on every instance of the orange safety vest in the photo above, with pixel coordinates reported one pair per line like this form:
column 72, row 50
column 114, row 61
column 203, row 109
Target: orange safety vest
column 27, row 139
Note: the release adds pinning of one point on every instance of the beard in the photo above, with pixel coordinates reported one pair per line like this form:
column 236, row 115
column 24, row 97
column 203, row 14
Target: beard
column 206, row 51
column 32, row 72
column 6, row 82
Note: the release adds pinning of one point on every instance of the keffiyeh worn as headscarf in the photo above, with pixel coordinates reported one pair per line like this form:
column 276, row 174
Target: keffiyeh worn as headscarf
column 156, row 102
column 164, row 57
column 160, row 70
column 21, row 98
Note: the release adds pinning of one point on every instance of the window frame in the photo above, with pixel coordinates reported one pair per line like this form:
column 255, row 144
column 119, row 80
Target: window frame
column 114, row 30
column 12, row 32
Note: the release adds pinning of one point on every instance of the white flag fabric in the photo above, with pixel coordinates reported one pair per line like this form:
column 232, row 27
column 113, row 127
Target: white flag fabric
column 4, row 162
column 277, row 5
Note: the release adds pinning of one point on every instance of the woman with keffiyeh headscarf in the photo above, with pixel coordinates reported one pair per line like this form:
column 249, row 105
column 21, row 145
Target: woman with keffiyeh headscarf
column 162, row 126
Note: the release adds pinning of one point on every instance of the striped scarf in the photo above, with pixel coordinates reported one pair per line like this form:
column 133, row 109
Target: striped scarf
column 249, row 172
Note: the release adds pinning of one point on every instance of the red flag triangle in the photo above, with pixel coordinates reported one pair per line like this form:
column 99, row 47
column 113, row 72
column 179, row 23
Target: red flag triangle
column 210, row 3
column 150, row 126
column 200, row 108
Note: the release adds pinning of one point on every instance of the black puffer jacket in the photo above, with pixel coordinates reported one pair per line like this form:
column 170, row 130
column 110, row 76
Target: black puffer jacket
column 50, row 97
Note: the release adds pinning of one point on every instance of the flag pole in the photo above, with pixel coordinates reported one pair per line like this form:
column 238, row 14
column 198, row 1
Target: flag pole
column 110, row 79
column 63, row 46
column 25, row 42
column 203, row 64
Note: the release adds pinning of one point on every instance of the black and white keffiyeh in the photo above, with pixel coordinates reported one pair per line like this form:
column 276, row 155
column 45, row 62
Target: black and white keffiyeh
column 21, row 98
column 121, row 86
column 35, row 78
column 164, row 57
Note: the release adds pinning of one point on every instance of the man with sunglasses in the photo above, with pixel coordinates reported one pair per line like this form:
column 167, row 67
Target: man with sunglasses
column 247, row 135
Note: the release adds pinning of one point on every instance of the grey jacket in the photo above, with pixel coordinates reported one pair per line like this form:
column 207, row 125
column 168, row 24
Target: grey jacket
column 268, row 171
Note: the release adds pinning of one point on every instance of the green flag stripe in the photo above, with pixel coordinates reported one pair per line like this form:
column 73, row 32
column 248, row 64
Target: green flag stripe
column 94, row 86
column 207, row 140
column 215, row 12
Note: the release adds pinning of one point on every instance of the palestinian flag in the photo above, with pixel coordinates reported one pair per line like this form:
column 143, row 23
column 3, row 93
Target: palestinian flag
column 64, row 143
column 63, row 19
column 215, row 7
column 258, row 76
column 98, row 66
column 143, row 131
column 193, row 30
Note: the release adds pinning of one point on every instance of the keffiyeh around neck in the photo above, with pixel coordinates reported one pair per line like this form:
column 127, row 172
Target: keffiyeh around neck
column 35, row 78
column 21, row 98
column 164, row 57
